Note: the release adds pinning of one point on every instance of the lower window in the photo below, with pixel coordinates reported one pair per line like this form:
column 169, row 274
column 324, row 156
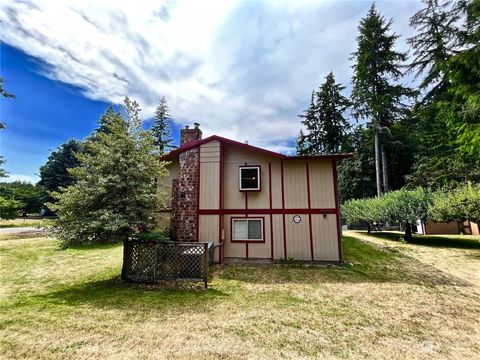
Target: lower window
column 247, row 229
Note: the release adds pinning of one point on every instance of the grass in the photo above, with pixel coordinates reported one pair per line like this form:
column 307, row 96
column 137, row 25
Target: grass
column 21, row 222
column 387, row 302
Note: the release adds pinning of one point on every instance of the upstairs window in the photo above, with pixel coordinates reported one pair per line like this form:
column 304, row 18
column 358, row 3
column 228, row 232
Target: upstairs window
column 247, row 229
column 249, row 178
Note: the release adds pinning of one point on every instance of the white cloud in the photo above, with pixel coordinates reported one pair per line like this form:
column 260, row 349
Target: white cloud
column 242, row 69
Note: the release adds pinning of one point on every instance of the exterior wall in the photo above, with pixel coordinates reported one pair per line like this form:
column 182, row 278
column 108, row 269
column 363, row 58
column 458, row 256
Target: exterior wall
column 432, row 228
column 301, row 189
column 475, row 228
column 294, row 187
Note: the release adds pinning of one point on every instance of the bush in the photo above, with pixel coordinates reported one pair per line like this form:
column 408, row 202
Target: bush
column 154, row 235
column 9, row 208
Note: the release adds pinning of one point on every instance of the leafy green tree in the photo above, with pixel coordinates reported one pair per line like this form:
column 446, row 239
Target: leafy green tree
column 377, row 95
column 161, row 129
column 9, row 208
column 460, row 204
column 115, row 193
column 403, row 206
column 54, row 174
column 301, row 143
column 30, row 196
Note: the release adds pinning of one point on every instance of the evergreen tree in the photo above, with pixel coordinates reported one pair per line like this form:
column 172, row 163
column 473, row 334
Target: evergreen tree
column 115, row 193
column 54, row 174
column 324, row 120
column 161, row 129
column 301, row 143
column 462, row 114
column 377, row 94
column 434, row 43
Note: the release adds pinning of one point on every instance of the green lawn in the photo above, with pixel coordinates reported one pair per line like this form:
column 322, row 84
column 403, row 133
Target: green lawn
column 21, row 222
column 385, row 303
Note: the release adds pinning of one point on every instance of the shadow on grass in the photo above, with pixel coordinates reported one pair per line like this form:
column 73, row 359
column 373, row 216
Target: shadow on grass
column 365, row 263
column 458, row 242
column 114, row 293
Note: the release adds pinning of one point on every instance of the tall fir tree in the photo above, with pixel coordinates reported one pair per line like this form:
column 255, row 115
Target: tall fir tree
column 161, row 128
column 378, row 96
column 325, row 120
column 433, row 44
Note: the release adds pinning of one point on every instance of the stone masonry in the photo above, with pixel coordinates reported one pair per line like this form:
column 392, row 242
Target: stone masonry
column 185, row 189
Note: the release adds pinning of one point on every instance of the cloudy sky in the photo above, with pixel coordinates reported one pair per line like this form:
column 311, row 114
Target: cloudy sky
column 242, row 69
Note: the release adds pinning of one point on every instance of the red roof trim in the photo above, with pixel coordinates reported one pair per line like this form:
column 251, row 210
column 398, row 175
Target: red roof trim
column 196, row 143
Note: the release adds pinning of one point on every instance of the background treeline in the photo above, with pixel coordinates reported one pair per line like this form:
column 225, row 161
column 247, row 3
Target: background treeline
column 427, row 136
column 409, row 206
column 59, row 172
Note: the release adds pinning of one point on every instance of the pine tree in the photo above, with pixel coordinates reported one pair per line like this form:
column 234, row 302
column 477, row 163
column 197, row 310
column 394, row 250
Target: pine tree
column 377, row 94
column 301, row 143
column 54, row 174
column 434, row 43
column 161, row 129
column 330, row 109
column 115, row 193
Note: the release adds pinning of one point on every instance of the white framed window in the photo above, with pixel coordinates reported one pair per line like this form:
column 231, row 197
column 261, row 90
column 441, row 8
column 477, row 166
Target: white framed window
column 249, row 178
column 248, row 229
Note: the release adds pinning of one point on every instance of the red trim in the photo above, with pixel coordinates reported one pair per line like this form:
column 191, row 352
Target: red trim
column 196, row 143
column 271, row 216
column 198, row 197
column 259, row 174
column 247, row 241
column 283, row 214
column 321, row 156
column 339, row 229
column 309, row 214
column 244, row 211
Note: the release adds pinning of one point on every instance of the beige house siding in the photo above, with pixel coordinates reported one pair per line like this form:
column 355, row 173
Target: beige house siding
column 324, row 229
column 308, row 188
column 322, row 189
column 295, row 183
column 209, row 175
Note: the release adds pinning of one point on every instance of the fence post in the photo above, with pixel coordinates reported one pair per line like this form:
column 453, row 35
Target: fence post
column 205, row 264
column 126, row 261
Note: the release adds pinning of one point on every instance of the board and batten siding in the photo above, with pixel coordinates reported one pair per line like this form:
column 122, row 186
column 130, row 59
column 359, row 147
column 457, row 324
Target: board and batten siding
column 288, row 187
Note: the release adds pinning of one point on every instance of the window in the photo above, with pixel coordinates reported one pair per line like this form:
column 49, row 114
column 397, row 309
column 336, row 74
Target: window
column 249, row 178
column 247, row 229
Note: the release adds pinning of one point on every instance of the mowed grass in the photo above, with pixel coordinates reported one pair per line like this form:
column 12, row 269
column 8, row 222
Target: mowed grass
column 21, row 222
column 386, row 303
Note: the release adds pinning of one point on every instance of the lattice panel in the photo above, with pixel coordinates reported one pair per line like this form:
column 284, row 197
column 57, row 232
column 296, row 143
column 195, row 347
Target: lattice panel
column 150, row 262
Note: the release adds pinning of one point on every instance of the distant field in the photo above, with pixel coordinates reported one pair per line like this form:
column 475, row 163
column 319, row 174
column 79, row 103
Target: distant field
column 20, row 222
column 391, row 301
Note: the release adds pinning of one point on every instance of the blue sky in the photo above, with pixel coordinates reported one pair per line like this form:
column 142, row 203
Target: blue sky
column 242, row 69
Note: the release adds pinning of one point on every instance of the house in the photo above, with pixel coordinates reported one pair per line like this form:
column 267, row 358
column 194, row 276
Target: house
column 254, row 203
column 450, row 228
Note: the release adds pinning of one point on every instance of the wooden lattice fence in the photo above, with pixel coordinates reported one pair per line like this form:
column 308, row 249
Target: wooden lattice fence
column 157, row 261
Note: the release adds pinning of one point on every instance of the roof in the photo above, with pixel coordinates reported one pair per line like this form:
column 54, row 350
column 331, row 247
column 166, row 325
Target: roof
column 197, row 143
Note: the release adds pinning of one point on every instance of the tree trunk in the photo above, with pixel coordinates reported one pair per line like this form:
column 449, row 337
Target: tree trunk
column 369, row 229
column 408, row 232
column 378, row 161
column 386, row 186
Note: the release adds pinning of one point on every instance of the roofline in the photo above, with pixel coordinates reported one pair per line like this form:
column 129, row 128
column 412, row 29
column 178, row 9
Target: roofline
column 197, row 143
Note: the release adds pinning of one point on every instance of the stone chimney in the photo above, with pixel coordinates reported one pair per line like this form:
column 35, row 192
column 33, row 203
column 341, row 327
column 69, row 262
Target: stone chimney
column 188, row 135
column 184, row 224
